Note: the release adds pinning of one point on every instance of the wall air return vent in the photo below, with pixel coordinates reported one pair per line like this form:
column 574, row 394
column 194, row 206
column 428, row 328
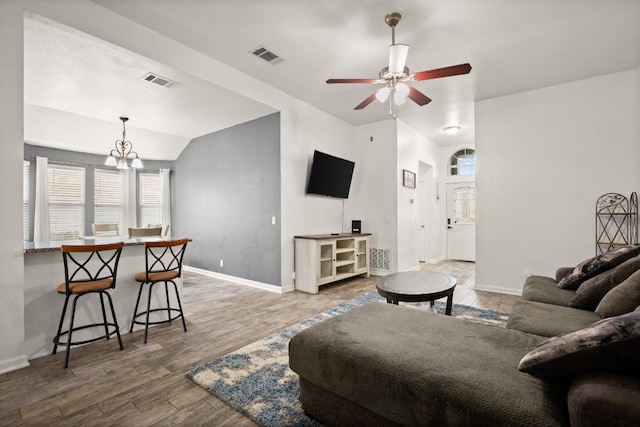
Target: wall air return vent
column 265, row 54
column 159, row 80
column 380, row 261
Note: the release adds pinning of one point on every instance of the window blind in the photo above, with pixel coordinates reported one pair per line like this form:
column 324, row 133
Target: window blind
column 66, row 201
column 25, row 200
column 107, row 196
column 149, row 199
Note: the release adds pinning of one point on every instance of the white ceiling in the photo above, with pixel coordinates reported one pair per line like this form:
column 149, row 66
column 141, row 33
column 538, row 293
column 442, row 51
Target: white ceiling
column 512, row 45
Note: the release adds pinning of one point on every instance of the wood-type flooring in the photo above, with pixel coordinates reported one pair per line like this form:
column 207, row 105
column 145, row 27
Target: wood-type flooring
column 146, row 384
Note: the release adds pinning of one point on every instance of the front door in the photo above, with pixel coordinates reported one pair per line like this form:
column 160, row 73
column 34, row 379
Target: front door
column 461, row 221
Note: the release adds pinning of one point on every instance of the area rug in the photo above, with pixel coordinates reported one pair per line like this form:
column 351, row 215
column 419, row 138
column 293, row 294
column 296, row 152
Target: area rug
column 256, row 380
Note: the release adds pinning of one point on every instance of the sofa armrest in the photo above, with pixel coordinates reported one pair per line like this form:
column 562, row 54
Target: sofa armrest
column 604, row 398
column 562, row 271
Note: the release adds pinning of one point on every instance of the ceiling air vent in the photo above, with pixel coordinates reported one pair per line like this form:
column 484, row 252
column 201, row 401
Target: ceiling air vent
column 162, row 81
column 264, row 53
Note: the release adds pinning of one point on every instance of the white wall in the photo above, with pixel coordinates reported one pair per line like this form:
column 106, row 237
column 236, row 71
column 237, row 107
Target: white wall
column 374, row 185
column 11, row 78
column 544, row 157
column 49, row 127
column 637, row 122
column 304, row 129
column 413, row 148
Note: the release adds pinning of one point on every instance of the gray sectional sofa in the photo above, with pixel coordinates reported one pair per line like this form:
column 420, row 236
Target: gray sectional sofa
column 382, row 364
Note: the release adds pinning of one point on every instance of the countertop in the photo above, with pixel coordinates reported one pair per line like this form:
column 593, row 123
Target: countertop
column 33, row 247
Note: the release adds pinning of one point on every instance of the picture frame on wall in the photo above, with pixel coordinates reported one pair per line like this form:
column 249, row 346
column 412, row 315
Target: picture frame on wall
column 408, row 179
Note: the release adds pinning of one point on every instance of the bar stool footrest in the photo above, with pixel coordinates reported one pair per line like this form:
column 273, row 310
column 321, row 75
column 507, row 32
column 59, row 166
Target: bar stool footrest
column 157, row 322
column 56, row 339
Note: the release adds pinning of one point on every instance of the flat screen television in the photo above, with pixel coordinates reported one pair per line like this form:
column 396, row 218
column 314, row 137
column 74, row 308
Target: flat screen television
column 330, row 176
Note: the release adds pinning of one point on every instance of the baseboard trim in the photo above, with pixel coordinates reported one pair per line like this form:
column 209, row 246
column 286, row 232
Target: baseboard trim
column 375, row 272
column 240, row 280
column 508, row 291
column 13, row 363
column 433, row 261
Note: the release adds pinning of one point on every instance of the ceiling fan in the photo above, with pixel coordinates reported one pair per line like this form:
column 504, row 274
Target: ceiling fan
column 394, row 76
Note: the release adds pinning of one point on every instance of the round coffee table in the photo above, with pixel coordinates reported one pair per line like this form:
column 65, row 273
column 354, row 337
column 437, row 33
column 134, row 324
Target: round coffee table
column 417, row 286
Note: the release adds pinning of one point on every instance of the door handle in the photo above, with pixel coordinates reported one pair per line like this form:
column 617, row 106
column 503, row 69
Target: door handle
column 448, row 226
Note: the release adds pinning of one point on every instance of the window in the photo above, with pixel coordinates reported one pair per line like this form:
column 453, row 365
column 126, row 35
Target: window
column 463, row 162
column 149, row 199
column 464, row 205
column 25, row 200
column 107, row 196
column 66, row 202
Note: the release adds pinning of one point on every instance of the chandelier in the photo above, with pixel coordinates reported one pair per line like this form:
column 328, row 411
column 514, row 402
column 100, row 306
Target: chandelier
column 120, row 156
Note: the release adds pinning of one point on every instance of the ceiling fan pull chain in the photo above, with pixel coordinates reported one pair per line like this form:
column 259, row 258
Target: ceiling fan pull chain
column 392, row 106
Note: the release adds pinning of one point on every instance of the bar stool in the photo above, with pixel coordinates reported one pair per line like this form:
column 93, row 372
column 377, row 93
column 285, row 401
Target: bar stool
column 88, row 269
column 163, row 263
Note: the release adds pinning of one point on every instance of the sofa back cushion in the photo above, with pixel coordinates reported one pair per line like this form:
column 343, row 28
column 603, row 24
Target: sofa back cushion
column 596, row 265
column 591, row 291
column 623, row 298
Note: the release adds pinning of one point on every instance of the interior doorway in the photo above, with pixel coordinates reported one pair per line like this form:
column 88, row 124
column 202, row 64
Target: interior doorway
column 427, row 227
column 461, row 221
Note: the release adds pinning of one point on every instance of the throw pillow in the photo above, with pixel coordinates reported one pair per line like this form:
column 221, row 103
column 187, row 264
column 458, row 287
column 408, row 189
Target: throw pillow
column 621, row 299
column 612, row 344
column 593, row 266
column 591, row 291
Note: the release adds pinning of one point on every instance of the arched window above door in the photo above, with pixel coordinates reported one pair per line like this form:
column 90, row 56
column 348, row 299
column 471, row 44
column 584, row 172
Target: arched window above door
column 463, row 162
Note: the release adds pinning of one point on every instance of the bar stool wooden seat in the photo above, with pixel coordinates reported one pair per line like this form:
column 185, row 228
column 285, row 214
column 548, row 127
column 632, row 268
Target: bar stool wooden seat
column 163, row 264
column 88, row 269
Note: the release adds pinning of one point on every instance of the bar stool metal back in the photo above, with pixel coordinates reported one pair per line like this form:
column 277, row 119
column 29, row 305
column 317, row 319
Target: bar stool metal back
column 163, row 262
column 88, row 269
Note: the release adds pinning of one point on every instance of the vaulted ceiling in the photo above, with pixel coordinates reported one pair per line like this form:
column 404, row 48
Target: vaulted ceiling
column 512, row 45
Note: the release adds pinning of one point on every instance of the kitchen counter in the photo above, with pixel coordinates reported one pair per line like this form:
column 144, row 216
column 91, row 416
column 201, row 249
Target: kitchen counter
column 44, row 271
column 31, row 247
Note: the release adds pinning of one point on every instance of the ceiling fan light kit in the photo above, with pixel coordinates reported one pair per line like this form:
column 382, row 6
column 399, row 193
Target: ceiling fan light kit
column 397, row 58
column 394, row 76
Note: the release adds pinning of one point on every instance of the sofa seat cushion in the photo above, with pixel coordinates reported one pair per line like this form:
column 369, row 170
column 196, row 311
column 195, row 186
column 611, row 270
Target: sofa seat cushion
column 604, row 399
column 418, row 368
column 548, row 320
column 545, row 289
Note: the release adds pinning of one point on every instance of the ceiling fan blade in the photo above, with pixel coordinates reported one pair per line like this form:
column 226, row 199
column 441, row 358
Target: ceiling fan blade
column 366, row 102
column 454, row 70
column 352, row 81
column 418, row 97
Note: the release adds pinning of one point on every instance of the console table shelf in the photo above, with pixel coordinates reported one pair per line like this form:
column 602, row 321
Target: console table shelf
column 327, row 258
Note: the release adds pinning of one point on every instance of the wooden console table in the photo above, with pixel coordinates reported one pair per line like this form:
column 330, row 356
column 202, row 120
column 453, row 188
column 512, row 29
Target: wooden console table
column 326, row 258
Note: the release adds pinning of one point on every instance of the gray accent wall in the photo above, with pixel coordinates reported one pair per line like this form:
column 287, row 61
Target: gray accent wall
column 226, row 192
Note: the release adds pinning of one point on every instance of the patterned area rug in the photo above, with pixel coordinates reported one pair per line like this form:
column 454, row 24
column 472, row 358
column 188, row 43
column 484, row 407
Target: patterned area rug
column 256, row 380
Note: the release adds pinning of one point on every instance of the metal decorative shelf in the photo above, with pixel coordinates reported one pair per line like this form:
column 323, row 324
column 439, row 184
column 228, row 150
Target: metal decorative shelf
column 616, row 221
